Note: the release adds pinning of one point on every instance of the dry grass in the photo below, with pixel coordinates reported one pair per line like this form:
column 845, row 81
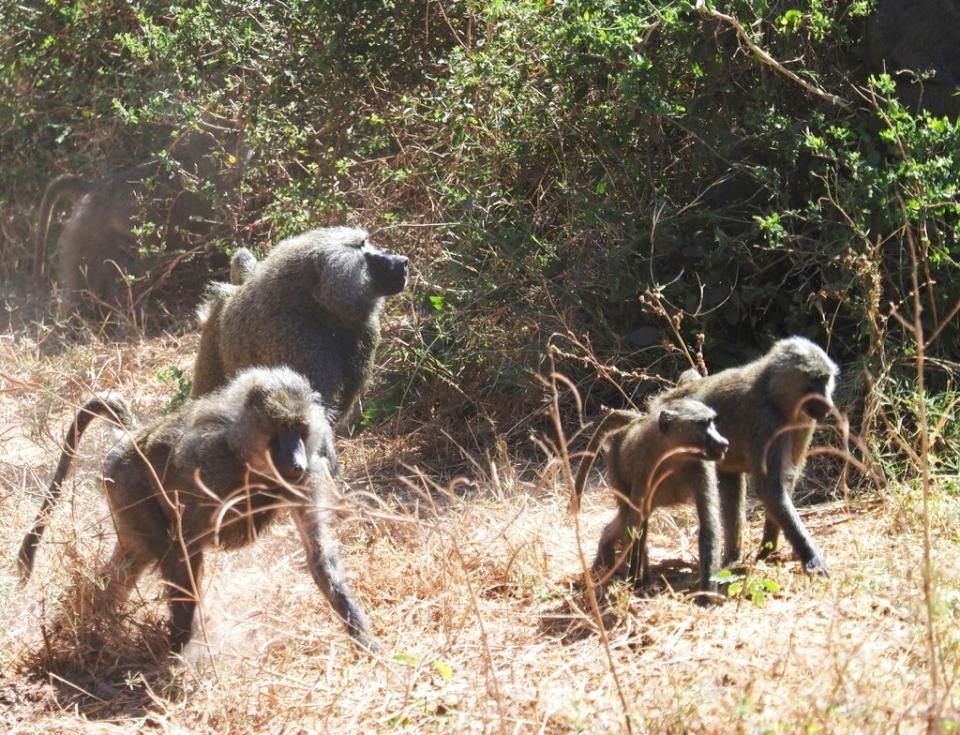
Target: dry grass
column 474, row 596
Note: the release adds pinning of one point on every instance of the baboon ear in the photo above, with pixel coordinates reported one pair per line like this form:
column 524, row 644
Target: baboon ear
column 667, row 418
column 256, row 396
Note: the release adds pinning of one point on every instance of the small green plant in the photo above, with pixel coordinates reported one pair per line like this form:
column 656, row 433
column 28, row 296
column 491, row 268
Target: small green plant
column 756, row 589
column 174, row 377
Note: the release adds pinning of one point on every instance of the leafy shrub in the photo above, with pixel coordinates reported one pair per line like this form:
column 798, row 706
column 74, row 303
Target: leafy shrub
column 578, row 155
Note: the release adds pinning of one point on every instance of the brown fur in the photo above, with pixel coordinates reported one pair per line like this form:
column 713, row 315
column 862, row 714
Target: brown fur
column 654, row 461
column 768, row 410
column 216, row 471
column 313, row 303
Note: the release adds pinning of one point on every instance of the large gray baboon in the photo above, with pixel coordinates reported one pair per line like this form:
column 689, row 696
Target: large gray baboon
column 767, row 409
column 98, row 240
column 664, row 458
column 215, row 472
column 313, row 303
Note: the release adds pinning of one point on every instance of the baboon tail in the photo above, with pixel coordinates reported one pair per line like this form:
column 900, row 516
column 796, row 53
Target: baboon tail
column 111, row 406
column 242, row 265
column 66, row 185
column 214, row 295
column 613, row 421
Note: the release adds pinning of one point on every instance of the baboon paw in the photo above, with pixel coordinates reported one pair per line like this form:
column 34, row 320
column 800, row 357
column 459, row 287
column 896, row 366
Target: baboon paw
column 367, row 643
column 766, row 551
column 705, row 600
column 730, row 561
column 816, row 566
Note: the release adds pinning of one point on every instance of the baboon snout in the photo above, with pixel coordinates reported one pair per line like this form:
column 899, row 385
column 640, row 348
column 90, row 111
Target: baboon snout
column 388, row 271
column 289, row 455
column 816, row 407
column 716, row 446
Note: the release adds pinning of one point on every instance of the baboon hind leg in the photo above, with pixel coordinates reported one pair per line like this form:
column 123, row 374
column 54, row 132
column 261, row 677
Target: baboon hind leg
column 732, row 492
column 183, row 588
column 771, row 536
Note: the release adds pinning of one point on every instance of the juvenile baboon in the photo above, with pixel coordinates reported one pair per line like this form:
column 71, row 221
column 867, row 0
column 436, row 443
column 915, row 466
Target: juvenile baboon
column 98, row 240
column 215, row 472
column 312, row 303
column 767, row 409
column 664, row 458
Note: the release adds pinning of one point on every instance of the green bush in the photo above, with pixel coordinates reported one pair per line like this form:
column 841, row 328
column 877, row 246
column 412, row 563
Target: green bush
column 576, row 153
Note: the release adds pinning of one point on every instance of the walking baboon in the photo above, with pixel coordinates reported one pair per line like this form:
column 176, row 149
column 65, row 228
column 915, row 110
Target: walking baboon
column 767, row 409
column 664, row 458
column 99, row 239
column 313, row 303
column 215, row 472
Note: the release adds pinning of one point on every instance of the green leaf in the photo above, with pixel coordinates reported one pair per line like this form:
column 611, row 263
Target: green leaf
column 405, row 658
column 445, row 670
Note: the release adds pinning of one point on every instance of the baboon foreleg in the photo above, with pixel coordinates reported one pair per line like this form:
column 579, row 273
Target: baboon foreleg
column 313, row 523
column 708, row 539
column 635, row 541
column 732, row 492
column 774, row 491
column 183, row 587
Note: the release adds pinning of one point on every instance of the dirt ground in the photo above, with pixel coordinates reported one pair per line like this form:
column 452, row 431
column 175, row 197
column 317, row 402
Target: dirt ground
column 475, row 592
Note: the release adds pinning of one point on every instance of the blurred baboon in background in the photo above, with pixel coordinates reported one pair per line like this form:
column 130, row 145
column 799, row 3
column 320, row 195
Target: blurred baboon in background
column 217, row 471
column 156, row 202
column 312, row 303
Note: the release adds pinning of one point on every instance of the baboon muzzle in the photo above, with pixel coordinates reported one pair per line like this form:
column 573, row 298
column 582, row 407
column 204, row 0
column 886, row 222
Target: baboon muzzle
column 289, row 455
column 388, row 271
column 716, row 447
column 816, row 407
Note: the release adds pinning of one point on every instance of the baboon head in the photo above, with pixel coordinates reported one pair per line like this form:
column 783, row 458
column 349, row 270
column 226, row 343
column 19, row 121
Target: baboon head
column 353, row 274
column 801, row 377
column 690, row 423
column 388, row 272
column 282, row 423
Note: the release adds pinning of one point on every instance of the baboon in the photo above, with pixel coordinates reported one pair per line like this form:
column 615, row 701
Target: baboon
column 215, row 472
column 664, row 458
column 312, row 303
column 242, row 265
column 98, row 240
column 768, row 410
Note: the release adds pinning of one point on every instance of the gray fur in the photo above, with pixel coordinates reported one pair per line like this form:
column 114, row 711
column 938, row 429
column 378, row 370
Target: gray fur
column 242, row 265
column 313, row 303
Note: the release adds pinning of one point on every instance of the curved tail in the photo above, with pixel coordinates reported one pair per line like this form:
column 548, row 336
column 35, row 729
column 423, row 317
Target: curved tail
column 613, row 421
column 111, row 406
column 66, row 185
